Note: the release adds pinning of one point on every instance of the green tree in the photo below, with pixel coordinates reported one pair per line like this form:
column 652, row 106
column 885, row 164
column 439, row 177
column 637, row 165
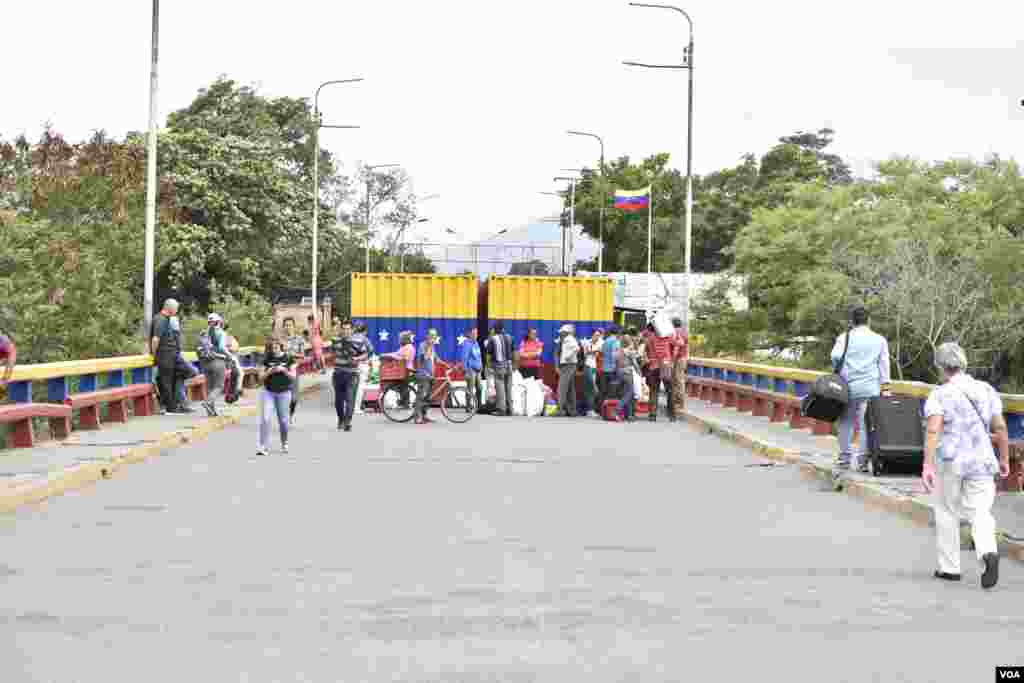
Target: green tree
column 925, row 247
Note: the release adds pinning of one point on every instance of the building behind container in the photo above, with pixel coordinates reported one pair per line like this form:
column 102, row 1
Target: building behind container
column 546, row 303
column 390, row 303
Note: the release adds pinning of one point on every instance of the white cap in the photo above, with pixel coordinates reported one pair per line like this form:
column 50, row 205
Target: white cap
column 566, row 328
column 214, row 318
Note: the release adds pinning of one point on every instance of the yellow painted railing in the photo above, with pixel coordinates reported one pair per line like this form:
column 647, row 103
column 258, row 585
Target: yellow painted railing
column 95, row 366
column 1013, row 404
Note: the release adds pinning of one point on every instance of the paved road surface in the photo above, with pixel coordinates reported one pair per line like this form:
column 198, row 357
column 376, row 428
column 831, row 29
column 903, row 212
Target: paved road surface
column 502, row 550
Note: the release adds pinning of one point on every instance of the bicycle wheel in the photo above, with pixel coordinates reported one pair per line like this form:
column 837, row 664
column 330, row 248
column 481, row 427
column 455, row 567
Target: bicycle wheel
column 394, row 408
column 456, row 406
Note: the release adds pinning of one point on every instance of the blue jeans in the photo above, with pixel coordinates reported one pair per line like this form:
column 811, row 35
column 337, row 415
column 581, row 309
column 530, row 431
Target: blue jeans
column 628, row 399
column 854, row 414
column 345, row 386
column 272, row 404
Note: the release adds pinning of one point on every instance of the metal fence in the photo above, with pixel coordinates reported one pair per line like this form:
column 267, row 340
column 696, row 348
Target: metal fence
column 490, row 259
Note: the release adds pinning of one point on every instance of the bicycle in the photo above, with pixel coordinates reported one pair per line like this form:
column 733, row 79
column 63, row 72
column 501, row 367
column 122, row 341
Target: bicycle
column 398, row 398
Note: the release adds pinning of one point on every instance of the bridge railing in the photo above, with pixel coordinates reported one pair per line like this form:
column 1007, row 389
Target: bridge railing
column 72, row 394
column 775, row 392
column 95, row 374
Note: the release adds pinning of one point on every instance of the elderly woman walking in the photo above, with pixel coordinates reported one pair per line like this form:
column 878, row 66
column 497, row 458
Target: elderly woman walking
column 964, row 417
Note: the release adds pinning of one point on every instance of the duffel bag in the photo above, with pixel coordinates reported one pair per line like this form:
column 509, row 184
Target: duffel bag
column 829, row 394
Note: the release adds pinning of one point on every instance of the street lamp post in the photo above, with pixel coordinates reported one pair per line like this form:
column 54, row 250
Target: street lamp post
column 604, row 199
column 572, row 216
column 561, row 197
column 317, row 125
column 567, row 264
column 150, row 248
column 401, row 249
column 369, row 177
column 688, row 65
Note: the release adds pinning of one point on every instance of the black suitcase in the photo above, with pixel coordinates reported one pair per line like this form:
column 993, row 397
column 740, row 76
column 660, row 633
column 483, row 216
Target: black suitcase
column 895, row 432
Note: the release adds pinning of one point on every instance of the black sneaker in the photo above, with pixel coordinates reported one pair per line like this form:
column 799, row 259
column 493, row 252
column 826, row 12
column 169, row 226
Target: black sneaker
column 341, row 425
column 348, row 428
column 946, row 576
column 991, row 576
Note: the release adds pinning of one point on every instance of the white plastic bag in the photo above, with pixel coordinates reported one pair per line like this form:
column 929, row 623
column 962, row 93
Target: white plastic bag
column 638, row 385
column 519, row 399
column 534, row 398
column 663, row 324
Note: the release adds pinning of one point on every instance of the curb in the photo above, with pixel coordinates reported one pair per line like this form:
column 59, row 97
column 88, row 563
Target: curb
column 874, row 496
column 79, row 476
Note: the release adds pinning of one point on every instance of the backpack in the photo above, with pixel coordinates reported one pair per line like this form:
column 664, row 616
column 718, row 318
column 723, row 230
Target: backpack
column 205, row 350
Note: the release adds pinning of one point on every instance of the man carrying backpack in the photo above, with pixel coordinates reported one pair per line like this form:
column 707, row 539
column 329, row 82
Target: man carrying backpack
column 213, row 356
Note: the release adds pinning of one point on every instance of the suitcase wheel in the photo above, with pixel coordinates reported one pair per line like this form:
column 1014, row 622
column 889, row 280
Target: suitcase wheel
column 875, row 464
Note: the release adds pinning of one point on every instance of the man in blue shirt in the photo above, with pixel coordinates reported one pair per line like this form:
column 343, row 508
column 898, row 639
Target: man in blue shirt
column 866, row 371
column 469, row 356
column 609, row 365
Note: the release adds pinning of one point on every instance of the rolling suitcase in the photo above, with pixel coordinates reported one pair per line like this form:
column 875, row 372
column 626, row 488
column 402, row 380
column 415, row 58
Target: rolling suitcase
column 895, row 432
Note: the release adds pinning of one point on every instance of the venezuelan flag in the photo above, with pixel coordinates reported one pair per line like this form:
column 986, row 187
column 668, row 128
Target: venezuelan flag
column 391, row 303
column 547, row 303
column 633, row 200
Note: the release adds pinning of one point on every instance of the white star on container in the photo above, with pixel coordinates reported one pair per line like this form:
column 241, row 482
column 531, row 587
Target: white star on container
column 384, row 334
column 462, row 339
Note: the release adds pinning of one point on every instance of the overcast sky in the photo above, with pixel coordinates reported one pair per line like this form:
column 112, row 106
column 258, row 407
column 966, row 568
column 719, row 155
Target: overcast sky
column 474, row 98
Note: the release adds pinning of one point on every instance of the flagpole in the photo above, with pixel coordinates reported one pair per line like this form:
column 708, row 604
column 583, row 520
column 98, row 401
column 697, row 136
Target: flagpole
column 650, row 237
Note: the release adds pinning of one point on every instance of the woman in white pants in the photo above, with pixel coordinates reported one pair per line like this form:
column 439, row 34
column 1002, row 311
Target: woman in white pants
column 964, row 417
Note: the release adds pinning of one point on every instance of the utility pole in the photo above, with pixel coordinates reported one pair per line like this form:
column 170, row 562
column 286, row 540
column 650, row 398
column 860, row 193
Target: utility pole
column 317, row 125
column 688, row 65
column 150, row 248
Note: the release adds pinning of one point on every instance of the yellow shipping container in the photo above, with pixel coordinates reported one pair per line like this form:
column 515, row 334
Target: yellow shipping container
column 565, row 299
column 392, row 303
column 399, row 295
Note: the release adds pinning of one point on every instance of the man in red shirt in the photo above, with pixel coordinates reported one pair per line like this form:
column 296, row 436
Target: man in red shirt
column 682, row 355
column 8, row 356
column 660, row 353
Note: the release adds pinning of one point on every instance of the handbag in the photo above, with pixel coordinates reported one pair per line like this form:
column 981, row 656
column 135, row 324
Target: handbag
column 830, row 394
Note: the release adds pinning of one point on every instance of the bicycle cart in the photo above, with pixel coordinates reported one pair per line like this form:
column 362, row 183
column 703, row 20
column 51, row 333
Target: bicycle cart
column 398, row 393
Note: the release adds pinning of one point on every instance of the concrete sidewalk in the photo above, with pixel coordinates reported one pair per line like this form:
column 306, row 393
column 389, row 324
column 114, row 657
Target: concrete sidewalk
column 903, row 493
column 30, row 475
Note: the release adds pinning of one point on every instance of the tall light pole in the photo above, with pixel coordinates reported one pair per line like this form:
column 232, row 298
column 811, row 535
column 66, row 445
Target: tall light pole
column 567, row 264
column 317, row 125
column 150, row 258
column 369, row 177
column 572, row 218
column 401, row 248
column 688, row 65
column 561, row 197
column 604, row 198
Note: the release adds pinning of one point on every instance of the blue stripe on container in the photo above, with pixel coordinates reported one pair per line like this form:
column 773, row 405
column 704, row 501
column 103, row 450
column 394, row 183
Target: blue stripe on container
column 448, row 328
column 547, row 331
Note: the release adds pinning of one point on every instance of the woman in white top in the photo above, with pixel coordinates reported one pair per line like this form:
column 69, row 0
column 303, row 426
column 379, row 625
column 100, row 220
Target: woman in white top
column 964, row 417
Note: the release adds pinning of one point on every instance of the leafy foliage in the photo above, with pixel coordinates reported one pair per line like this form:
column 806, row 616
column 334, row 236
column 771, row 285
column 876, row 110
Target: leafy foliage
column 932, row 249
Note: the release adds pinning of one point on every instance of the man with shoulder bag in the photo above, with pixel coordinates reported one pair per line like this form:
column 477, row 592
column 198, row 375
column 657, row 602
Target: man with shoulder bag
column 864, row 358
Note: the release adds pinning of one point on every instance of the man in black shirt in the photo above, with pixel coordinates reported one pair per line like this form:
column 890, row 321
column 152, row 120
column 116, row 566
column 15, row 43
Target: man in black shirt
column 165, row 345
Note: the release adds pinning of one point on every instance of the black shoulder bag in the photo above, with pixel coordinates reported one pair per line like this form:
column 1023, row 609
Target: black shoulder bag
column 829, row 394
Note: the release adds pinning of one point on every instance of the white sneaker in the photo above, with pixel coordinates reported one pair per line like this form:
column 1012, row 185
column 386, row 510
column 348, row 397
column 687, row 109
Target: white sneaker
column 261, row 451
column 284, row 448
